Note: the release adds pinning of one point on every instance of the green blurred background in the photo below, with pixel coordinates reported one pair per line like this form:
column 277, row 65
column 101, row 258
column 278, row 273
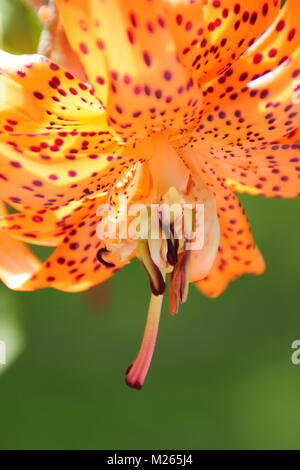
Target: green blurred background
column 221, row 378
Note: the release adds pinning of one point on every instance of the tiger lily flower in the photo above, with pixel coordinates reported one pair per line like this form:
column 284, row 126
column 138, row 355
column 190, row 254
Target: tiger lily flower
column 186, row 101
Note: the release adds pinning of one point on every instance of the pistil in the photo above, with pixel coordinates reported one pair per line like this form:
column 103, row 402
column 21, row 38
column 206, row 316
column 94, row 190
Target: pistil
column 137, row 371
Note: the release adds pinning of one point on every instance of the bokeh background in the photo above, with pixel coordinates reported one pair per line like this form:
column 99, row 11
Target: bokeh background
column 221, row 378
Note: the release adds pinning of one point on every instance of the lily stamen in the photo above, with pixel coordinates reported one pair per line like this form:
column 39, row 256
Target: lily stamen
column 173, row 245
column 157, row 282
column 179, row 282
column 99, row 255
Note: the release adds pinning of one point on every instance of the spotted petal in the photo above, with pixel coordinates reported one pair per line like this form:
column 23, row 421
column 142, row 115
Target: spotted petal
column 261, row 111
column 55, row 145
column 211, row 35
column 74, row 265
column 47, row 227
column 135, row 70
column 237, row 253
column 275, row 46
column 272, row 170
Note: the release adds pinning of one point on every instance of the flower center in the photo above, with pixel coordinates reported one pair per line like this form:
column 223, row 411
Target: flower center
column 163, row 216
column 167, row 235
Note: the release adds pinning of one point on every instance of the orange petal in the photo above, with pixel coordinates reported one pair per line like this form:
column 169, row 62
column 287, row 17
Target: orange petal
column 17, row 262
column 253, row 113
column 148, row 88
column 238, row 253
column 272, row 170
column 47, row 227
column 35, row 182
column 51, row 151
column 81, row 30
column 212, row 37
column 35, row 88
column 275, row 46
column 74, row 266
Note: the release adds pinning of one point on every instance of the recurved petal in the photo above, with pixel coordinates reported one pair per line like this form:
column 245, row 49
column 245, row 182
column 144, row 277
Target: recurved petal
column 81, row 29
column 211, row 35
column 274, row 47
column 35, row 88
column 237, row 253
column 146, row 86
column 55, row 145
column 37, row 182
column 47, row 226
column 271, row 170
column 252, row 113
column 231, row 261
column 278, row 45
column 74, row 265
